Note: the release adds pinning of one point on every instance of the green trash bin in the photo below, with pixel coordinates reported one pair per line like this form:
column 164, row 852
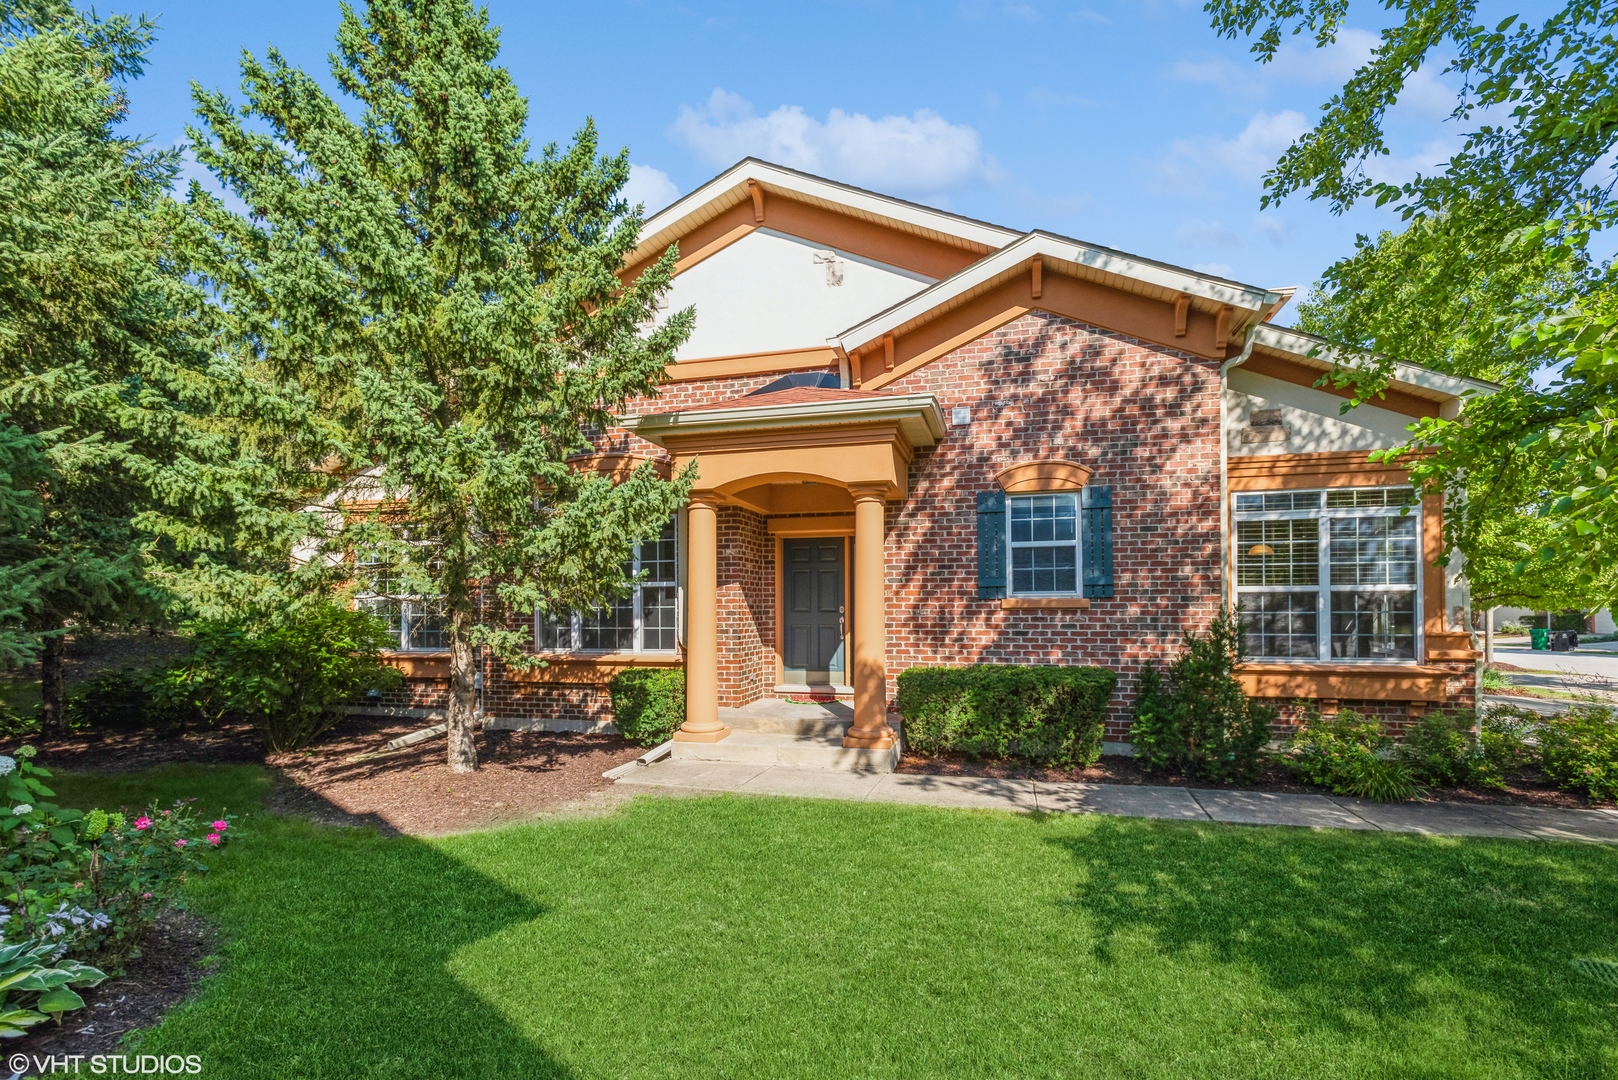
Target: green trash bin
column 1539, row 637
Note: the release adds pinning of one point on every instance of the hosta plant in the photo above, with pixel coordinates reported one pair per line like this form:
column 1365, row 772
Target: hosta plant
column 36, row 985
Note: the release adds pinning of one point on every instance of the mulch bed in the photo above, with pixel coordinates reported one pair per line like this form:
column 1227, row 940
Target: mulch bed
column 1523, row 790
column 521, row 773
column 175, row 956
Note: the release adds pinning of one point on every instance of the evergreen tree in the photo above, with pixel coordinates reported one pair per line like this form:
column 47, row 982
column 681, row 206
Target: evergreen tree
column 115, row 454
column 453, row 306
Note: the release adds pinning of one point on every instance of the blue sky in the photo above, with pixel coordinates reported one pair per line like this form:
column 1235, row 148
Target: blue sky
column 1127, row 124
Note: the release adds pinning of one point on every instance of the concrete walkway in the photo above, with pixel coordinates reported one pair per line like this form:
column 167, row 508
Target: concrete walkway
column 1183, row 804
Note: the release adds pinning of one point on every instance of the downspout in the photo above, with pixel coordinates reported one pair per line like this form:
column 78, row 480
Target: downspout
column 1224, row 466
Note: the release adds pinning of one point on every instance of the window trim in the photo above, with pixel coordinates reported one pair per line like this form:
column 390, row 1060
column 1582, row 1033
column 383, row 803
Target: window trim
column 406, row 605
column 1323, row 587
column 1078, row 545
column 637, row 598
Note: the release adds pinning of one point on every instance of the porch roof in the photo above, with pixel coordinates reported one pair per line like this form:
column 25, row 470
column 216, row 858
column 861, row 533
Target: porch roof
column 916, row 415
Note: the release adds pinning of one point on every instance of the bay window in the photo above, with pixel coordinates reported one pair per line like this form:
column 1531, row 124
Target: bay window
column 643, row 621
column 1329, row 574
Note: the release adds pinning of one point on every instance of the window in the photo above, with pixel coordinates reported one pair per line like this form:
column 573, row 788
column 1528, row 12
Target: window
column 1045, row 544
column 643, row 621
column 417, row 621
column 1329, row 574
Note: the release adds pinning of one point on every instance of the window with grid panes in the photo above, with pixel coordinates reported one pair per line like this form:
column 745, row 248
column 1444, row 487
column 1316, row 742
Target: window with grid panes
column 1329, row 574
column 643, row 621
column 419, row 622
column 1044, row 542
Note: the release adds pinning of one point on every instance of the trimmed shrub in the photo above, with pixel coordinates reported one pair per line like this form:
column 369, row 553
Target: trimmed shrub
column 648, row 704
column 1042, row 714
column 1578, row 751
column 1202, row 724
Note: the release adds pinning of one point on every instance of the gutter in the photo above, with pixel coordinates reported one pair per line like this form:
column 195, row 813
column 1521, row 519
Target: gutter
column 1224, row 464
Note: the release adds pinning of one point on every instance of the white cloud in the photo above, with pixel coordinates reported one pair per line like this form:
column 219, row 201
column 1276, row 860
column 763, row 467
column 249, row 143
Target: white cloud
column 1185, row 168
column 1430, row 159
column 651, row 187
column 1278, row 230
column 922, row 154
column 1217, row 269
column 1194, row 232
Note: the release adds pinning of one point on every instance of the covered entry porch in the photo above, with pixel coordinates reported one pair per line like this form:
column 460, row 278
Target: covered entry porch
column 816, row 467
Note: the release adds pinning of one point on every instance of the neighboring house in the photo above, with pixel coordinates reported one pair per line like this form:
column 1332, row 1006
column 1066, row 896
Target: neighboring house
column 926, row 440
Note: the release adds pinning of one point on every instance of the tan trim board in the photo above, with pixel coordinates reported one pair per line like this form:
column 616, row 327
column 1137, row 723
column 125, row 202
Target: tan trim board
column 1055, row 474
column 723, row 367
column 826, row 525
column 1043, row 603
column 1382, row 682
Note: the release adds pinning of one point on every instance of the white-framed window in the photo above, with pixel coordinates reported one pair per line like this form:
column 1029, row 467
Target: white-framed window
column 419, row 622
column 643, row 621
column 1044, row 541
column 1329, row 575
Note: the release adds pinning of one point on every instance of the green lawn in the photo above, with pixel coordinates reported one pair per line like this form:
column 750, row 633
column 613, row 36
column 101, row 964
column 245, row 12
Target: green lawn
column 751, row 937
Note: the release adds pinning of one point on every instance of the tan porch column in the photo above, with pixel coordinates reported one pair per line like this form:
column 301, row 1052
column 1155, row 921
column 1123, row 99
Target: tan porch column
column 870, row 727
column 702, row 625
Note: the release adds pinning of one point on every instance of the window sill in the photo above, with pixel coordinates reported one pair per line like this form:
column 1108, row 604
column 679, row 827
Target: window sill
column 592, row 668
column 1403, row 680
column 1047, row 603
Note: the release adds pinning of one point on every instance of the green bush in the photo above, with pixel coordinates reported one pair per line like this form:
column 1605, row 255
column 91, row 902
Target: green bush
column 113, row 700
column 292, row 674
column 1442, row 750
column 1510, row 738
column 648, row 704
column 1578, row 751
column 1201, row 724
column 1352, row 755
column 1045, row 714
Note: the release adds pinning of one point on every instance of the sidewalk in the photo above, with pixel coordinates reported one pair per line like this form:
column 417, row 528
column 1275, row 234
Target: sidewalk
column 1183, row 804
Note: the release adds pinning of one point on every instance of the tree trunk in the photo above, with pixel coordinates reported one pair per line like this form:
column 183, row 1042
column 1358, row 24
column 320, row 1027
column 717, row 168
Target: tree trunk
column 52, row 692
column 463, row 749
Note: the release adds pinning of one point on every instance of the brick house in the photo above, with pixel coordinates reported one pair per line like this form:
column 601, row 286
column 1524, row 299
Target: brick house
column 926, row 440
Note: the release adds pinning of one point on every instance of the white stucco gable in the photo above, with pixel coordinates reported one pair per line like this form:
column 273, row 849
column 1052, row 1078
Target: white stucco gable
column 770, row 292
column 1310, row 419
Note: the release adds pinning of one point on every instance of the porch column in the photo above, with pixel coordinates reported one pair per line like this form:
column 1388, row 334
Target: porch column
column 702, row 625
column 870, row 728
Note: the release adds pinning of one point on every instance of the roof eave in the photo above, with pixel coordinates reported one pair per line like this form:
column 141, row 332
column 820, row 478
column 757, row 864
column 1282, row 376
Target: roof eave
column 925, row 427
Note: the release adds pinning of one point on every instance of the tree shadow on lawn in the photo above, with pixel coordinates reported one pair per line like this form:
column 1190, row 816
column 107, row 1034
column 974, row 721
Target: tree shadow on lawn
column 1396, row 937
column 337, row 956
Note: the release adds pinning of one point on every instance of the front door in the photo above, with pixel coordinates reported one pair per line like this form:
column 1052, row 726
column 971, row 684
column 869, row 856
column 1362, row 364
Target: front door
column 814, row 628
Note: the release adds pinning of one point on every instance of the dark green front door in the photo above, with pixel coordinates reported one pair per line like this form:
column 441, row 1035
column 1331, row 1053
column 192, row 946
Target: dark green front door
column 813, row 587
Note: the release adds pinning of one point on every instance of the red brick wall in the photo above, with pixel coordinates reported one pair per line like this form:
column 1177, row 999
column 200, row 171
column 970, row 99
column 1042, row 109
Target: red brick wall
column 746, row 565
column 1146, row 419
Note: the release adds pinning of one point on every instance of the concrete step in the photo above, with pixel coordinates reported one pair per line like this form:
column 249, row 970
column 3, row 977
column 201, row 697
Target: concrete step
column 774, row 716
column 775, row 748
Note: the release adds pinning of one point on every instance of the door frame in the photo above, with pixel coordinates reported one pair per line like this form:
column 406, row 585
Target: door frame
column 840, row 526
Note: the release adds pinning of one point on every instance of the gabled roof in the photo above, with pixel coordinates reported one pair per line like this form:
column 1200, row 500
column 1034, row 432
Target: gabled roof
column 1092, row 262
column 1318, row 353
column 730, row 188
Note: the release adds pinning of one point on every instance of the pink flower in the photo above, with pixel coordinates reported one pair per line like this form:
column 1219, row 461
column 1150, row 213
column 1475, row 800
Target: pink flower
column 181, row 842
column 166, row 813
column 143, row 822
column 220, row 826
column 213, row 838
column 145, row 896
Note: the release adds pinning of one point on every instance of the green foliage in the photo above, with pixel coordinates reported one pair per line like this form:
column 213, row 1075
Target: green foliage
column 1203, row 725
column 1154, row 733
column 1379, row 779
column 1510, row 743
column 291, row 673
column 1325, row 749
column 1578, row 751
column 1495, row 276
column 1442, row 749
column 648, row 704
column 1047, row 715
column 35, row 985
column 1494, row 680
column 89, row 884
column 451, row 302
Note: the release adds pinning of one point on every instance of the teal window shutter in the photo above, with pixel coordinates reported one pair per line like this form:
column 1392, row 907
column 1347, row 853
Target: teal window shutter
column 991, row 545
column 1097, row 506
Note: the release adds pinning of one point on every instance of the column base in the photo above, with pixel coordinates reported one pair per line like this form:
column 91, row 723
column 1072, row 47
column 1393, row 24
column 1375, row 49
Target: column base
column 881, row 738
column 717, row 734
